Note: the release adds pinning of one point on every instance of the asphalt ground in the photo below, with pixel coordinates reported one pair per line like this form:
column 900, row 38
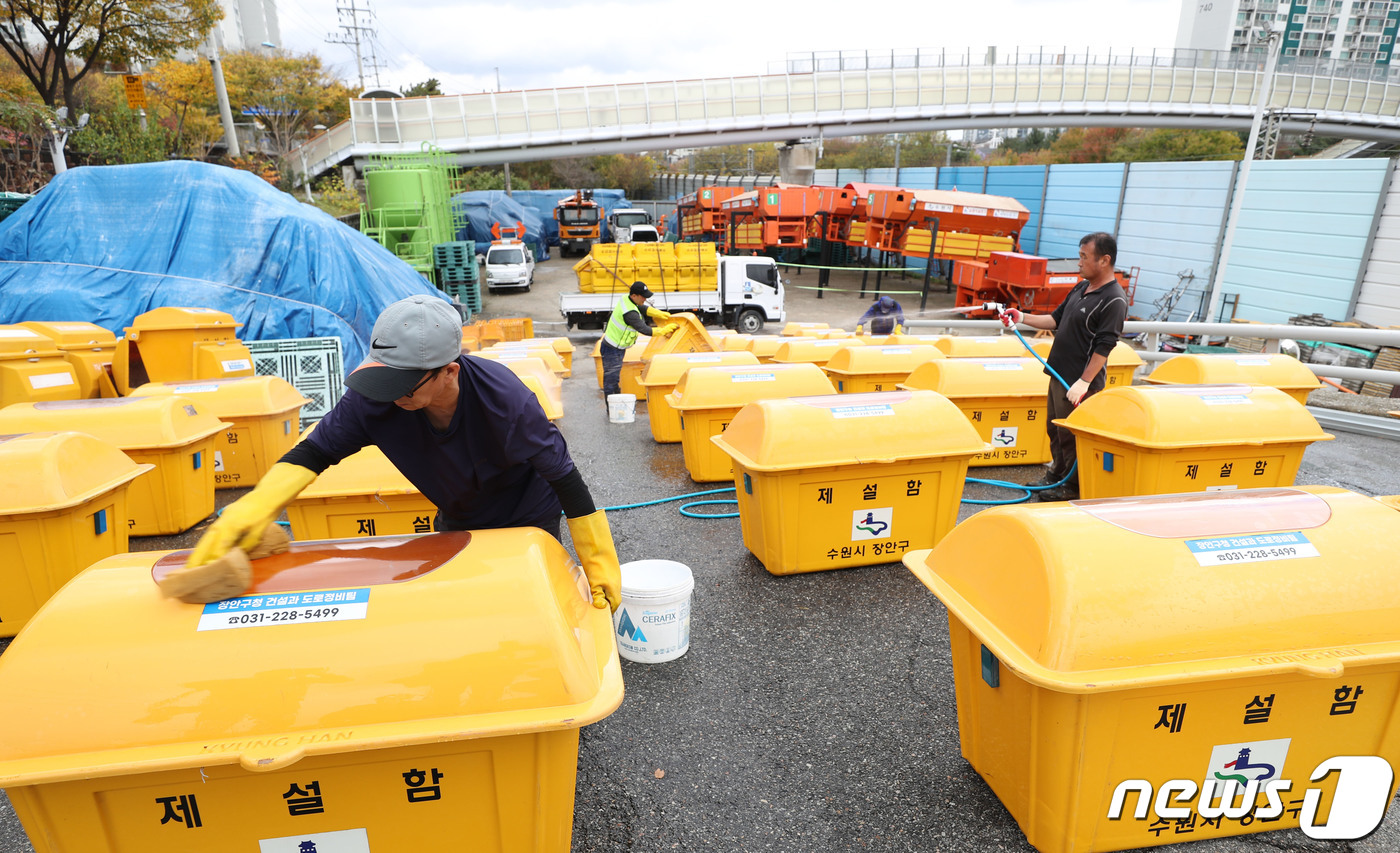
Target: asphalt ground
column 812, row 712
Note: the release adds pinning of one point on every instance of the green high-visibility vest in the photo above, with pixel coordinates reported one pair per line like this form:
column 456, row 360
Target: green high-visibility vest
column 618, row 333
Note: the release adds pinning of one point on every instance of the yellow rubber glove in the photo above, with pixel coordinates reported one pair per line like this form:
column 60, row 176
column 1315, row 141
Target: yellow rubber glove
column 667, row 329
column 860, row 330
column 657, row 314
column 898, row 329
column 593, row 543
column 242, row 522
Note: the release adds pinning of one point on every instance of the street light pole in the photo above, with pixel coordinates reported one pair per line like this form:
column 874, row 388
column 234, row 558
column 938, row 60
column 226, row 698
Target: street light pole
column 220, row 92
column 1275, row 38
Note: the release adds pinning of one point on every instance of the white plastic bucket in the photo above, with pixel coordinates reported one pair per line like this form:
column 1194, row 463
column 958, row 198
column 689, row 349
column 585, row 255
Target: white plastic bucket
column 652, row 624
column 622, row 408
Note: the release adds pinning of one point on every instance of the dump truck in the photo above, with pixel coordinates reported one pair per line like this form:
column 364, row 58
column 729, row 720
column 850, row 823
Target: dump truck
column 631, row 225
column 742, row 293
column 580, row 220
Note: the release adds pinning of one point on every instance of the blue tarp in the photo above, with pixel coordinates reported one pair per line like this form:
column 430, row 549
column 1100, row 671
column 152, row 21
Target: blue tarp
column 103, row 244
column 483, row 207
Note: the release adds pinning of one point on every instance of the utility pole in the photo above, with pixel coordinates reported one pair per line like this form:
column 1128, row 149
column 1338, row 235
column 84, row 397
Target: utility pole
column 355, row 32
column 221, row 93
column 505, row 167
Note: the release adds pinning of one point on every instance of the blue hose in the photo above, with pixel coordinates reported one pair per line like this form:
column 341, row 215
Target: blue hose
column 1026, row 491
column 685, row 507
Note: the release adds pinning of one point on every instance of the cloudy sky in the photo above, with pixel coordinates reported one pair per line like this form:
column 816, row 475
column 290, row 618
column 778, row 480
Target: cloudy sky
column 550, row 43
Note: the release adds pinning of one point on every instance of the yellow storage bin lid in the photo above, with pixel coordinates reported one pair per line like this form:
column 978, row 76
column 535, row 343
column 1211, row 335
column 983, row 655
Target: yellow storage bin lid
column 793, row 330
column 181, row 318
column 559, row 345
column 1272, row 369
column 764, row 346
column 1122, row 355
column 733, row 342
column 871, row 359
column 19, row 342
column 735, row 386
column 981, row 346
column 848, row 429
column 668, row 368
column 545, row 354
column 366, row 472
column 516, row 647
column 1243, row 584
column 242, row 397
column 46, row 471
column 131, row 423
column 960, row 378
column 814, row 350
column 912, row 340
column 75, row 335
column 1164, row 416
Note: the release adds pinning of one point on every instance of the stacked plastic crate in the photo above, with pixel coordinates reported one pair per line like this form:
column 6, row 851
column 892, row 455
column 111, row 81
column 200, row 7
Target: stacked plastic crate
column 457, row 273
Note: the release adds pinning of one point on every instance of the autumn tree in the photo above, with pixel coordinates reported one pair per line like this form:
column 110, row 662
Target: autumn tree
column 56, row 43
column 628, row 172
column 287, row 94
column 181, row 95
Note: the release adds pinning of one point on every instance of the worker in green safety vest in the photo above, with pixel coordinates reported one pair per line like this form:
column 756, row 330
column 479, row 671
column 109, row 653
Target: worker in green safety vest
column 627, row 320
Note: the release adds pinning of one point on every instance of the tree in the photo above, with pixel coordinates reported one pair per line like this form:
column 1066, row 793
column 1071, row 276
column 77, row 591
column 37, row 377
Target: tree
column 286, row 94
column 431, row 86
column 576, row 172
column 22, row 139
column 181, row 95
column 629, row 172
column 1175, row 144
column 55, row 43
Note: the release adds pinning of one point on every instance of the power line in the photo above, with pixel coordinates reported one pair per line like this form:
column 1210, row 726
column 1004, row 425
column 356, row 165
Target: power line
column 356, row 21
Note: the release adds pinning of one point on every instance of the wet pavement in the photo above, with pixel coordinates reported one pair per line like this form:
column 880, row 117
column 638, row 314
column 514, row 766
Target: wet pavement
column 812, row 712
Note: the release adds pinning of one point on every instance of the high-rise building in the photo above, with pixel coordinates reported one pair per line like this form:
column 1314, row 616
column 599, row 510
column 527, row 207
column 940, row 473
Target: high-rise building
column 248, row 25
column 1351, row 30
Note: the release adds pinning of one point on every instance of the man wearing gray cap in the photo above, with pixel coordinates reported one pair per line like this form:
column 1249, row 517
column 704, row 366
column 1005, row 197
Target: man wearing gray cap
column 465, row 431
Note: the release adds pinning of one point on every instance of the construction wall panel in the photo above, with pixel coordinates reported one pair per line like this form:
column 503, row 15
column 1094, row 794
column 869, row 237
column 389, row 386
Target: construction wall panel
column 1300, row 238
column 969, row 179
column 1170, row 228
column 1081, row 198
column 919, row 178
column 1025, row 184
column 1379, row 303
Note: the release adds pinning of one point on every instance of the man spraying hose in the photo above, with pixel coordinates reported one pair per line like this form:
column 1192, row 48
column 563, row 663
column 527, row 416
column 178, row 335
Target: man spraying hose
column 465, row 431
column 1087, row 326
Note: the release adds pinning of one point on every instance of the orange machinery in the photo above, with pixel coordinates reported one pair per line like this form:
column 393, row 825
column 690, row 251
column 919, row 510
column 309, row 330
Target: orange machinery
column 702, row 217
column 969, row 225
column 1029, row 282
column 580, row 222
column 768, row 217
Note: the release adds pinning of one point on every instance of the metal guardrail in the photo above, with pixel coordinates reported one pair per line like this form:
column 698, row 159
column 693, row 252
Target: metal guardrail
column 1177, row 88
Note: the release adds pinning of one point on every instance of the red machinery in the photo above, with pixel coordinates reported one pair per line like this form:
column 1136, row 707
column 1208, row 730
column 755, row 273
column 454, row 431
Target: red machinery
column 701, row 214
column 770, row 217
column 1029, row 282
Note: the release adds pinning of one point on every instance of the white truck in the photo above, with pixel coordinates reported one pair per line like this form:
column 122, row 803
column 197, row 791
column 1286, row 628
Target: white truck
column 631, row 225
column 746, row 294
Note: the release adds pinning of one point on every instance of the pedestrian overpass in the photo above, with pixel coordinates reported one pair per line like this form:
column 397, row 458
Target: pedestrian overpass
column 925, row 92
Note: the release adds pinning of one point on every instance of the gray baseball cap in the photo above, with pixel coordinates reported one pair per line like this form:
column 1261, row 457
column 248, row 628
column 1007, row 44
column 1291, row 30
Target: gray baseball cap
column 412, row 336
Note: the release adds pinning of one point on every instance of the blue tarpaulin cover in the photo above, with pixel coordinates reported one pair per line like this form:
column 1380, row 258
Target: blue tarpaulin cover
column 103, row 244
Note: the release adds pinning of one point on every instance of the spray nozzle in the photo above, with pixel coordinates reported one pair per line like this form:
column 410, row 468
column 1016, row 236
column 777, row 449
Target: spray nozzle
column 995, row 307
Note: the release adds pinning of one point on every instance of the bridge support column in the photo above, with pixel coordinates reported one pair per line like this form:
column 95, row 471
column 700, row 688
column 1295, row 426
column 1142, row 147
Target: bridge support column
column 797, row 162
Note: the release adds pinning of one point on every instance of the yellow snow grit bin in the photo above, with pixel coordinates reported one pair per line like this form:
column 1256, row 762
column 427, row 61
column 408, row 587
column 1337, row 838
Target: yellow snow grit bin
column 810, row 350
column 1156, row 440
column 631, row 367
column 796, row 330
column 175, row 434
column 264, row 415
column 733, row 342
column 62, row 508
column 1283, row 372
column 513, row 349
column 766, row 346
column 88, row 347
column 1004, row 398
column 1123, row 362
column 981, row 346
column 708, row 398
column 32, row 368
column 562, row 346
column 847, row 479
column 544, row 383
column 386, row 694
column 361, row 495
column 912, row 340
column 171, row 344
column 660, row 376
column 856, row 370
column 689, row 336
column 1112, row 650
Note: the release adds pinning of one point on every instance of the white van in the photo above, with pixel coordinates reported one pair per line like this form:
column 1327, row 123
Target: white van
column 509, row 264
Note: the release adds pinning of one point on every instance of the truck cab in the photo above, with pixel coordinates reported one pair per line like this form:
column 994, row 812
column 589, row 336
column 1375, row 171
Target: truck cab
column 509, row 265
column 621, row 223
column 645, row 234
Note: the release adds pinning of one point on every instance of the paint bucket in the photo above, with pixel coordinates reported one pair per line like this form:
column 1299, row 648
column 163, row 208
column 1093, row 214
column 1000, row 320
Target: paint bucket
column 652, row 623
column 622, row 408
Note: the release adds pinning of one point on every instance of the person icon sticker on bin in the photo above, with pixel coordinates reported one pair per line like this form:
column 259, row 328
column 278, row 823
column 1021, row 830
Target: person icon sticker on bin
column 306, row 847
column 1004, row 437
column 872, row 525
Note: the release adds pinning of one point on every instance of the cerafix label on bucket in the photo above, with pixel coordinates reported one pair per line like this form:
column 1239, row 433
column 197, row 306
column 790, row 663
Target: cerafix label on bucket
column 753, row 377
column 1257, row 548
column 657, row 631
column 341, row 841
column 289, row 608
column 861, row 411
column 872, row 523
